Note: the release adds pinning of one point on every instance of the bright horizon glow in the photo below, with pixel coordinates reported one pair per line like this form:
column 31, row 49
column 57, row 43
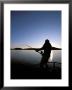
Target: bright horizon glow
column 34, row 46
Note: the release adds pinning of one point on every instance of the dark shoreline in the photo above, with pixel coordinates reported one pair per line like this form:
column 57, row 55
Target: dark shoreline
column 27, row 71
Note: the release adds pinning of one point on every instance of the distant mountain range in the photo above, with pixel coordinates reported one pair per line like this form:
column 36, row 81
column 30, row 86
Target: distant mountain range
column 53, row 48
column 16, row 48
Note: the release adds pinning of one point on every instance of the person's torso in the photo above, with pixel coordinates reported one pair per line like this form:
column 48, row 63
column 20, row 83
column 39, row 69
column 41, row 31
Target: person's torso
column 47, row 48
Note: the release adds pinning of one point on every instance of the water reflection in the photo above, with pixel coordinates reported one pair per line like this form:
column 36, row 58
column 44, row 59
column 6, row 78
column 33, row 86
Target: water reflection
column 32, row 57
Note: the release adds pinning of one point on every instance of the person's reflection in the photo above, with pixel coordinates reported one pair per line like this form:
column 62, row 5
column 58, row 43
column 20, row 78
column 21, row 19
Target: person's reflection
column 47, row 51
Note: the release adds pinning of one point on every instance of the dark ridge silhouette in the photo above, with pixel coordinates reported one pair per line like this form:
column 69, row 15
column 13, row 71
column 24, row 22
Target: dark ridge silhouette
column 52, row 48
column 16, row 49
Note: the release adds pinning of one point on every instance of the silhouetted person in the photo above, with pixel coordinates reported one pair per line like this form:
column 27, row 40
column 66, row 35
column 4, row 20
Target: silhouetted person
column 47, row 51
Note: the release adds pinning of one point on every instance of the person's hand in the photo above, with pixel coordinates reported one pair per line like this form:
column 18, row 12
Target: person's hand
column 36, row 50
column 41, row 52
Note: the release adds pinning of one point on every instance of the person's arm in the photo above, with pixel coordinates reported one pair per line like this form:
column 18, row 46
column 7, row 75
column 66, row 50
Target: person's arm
column 55, row 48
column 40, row 48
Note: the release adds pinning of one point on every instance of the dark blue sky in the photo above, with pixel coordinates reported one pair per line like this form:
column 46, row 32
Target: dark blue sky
column 33, row 27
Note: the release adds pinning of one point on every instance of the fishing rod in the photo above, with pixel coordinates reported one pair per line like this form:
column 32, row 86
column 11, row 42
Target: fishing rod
column 34, row 50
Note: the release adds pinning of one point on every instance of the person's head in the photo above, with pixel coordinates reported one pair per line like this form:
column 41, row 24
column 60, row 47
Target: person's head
column 46, row 41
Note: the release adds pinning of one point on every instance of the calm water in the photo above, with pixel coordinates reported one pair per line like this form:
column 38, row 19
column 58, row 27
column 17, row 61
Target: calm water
column 32, row 57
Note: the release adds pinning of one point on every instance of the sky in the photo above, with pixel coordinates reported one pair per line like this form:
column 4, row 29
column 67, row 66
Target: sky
column 32, row 28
